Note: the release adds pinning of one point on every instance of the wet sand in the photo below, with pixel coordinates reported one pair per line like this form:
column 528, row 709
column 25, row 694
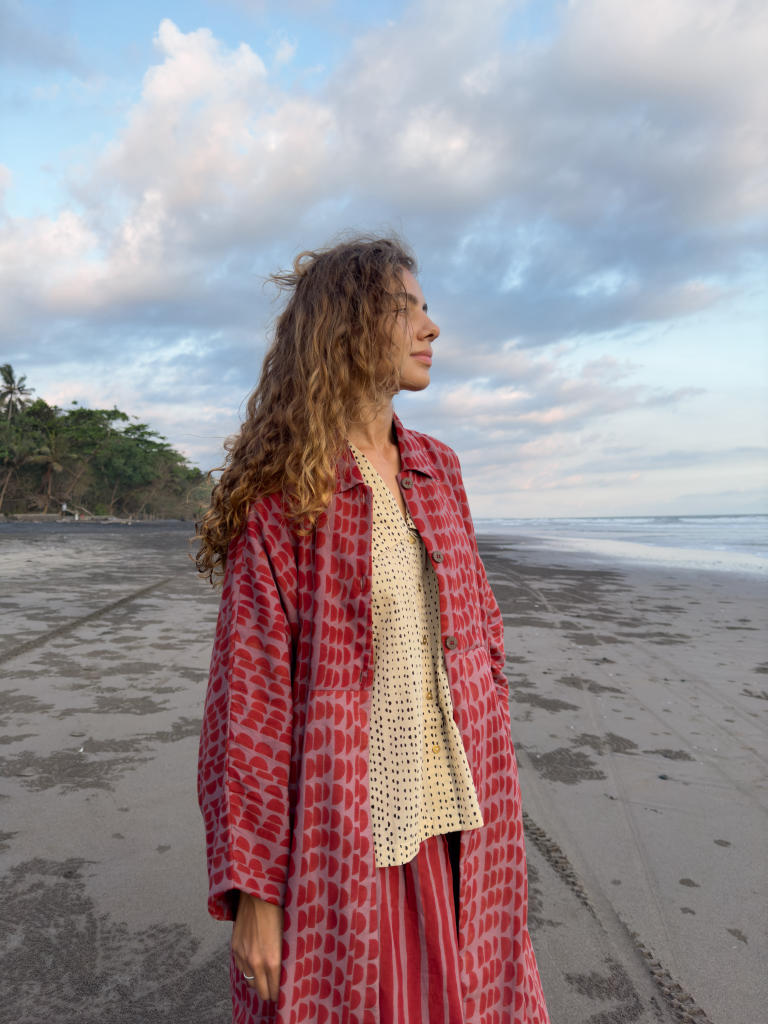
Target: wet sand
column 638, row 707
column 638, row 704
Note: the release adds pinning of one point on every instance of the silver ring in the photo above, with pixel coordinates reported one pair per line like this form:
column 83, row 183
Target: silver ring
column 248, row 977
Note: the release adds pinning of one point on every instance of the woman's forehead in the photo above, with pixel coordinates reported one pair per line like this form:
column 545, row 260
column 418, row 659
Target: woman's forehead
column 408, row 287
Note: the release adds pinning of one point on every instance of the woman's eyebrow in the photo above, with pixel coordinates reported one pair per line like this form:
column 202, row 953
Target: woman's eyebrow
column 410, row 299
column 413, row 301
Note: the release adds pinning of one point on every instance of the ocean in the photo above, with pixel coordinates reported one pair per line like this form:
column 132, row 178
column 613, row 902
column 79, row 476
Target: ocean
column 737, row 543
column 724, row 543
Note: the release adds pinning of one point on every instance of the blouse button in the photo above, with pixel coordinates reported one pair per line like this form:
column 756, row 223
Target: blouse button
column 435, row 748
column 437, row 556
column 430, row 695
column 450, row 642
column 406, row 483
column 424, row 640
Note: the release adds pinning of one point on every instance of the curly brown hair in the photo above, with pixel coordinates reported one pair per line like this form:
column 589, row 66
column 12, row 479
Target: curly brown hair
column 330, row 356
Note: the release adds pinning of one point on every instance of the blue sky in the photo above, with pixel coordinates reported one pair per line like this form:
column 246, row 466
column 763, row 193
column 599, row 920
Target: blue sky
column 583, row 184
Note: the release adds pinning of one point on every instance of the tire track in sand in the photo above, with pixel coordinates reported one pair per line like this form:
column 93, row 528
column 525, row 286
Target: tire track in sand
column 68, row 627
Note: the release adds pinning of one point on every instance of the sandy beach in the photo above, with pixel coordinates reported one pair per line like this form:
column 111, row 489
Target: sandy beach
column 638, row 703
column 638, row 708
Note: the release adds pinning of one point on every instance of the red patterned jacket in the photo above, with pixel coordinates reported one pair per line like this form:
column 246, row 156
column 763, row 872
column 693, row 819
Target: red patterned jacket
column 283, row 779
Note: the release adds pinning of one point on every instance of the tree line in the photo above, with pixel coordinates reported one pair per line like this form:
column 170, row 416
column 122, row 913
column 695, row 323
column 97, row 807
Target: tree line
column 93, row 461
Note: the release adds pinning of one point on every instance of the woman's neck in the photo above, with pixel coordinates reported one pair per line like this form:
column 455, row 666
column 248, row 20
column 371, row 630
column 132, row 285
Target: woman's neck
column 372, row 430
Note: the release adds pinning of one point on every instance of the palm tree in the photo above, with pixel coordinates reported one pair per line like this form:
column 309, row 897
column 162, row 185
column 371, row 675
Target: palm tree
column 14, row 395
column 50, row 455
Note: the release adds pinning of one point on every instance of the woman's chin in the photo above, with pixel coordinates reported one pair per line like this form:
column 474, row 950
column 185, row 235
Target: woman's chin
column 414, row 383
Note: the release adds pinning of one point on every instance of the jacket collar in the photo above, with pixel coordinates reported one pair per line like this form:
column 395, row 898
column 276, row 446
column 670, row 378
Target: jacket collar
column 347, row 473
column 413, row 452
column 413, row 458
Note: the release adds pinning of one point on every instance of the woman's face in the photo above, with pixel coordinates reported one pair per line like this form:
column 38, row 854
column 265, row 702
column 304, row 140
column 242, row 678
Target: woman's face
column 413, row 334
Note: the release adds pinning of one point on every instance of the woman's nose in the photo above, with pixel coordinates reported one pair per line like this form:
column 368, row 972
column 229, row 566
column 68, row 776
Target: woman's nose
column 431, row 330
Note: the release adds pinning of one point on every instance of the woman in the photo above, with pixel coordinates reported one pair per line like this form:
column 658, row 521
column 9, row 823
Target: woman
column 357, row 777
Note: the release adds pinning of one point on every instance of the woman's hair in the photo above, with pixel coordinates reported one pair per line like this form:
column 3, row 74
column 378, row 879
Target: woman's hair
column 331, row 355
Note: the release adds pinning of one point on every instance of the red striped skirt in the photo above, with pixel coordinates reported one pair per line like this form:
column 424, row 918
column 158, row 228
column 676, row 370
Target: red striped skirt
column 419, row 955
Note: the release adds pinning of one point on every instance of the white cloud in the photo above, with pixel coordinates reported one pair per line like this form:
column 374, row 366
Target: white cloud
column 285, row 52
column 611, row 172
column 195, row 66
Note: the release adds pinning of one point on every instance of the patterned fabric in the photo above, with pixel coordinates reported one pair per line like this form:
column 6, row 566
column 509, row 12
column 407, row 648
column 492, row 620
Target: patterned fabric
column 283, row 779
column 419, row 779
column 419, row 954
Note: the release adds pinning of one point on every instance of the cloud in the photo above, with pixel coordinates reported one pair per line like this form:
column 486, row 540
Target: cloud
column 636, row 459
column 517, row 405
column 605, row 178
column 284, row 53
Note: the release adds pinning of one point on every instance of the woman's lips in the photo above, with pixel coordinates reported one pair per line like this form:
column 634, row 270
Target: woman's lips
column 423, row 357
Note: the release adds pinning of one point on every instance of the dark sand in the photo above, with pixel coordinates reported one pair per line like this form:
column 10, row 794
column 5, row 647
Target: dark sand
column 638, row 704
column 638, row 711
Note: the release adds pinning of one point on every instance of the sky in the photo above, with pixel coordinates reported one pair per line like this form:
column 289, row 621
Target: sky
column 584, row 185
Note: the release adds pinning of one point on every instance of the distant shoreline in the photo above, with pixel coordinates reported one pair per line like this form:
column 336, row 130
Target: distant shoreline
column 55, row 517
column 723, row 544
column 713, row 544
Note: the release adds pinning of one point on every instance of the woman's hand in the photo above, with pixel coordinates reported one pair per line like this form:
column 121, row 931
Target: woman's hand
column 257, row 941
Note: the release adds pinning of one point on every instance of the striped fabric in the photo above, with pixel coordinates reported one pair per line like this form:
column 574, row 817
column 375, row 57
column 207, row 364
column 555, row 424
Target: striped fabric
column 419, row 966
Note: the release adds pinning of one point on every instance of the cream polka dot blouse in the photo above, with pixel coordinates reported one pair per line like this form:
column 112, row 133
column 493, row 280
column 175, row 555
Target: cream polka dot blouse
column 420, row 780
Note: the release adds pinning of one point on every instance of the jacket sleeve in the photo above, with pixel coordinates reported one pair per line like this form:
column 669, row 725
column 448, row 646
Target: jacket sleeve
column 245, row 743
column 493, row 622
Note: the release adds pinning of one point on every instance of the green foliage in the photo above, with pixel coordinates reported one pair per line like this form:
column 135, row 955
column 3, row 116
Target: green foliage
column 95, row 460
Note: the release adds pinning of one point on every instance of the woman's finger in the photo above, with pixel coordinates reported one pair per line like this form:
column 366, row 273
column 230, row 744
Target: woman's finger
column 249, row 973
column 261, row 984
column 264, row 980
column 257, row 980
column 246, row 969
column 273, row 982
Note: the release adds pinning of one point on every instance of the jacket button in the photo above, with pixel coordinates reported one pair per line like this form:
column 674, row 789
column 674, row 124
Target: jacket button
column 406, row 483
column 450, row 642
column 437, row 556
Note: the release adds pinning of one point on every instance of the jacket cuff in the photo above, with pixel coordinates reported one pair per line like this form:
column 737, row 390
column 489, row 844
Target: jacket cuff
column 225, row 886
